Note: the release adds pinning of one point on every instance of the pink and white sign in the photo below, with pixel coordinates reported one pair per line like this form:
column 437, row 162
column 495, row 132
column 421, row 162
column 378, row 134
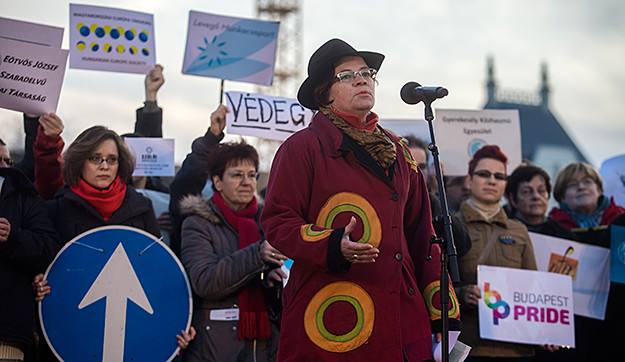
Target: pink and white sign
column 526, row 306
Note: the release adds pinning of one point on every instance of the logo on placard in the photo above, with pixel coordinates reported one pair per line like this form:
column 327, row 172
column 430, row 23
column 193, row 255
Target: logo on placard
column 620, row 252
column 496, row 304
column 115, row 34
column 560, row 264
column 474, row 145
column 149, row 156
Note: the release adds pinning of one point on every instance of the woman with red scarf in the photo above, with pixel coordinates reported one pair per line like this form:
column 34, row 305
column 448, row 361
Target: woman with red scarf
column 96, row 169
column 233, row 271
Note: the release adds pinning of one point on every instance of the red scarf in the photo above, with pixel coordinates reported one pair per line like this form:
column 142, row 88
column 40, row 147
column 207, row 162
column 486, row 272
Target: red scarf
column 253, row 318
column 106, row 201
column 354, row 121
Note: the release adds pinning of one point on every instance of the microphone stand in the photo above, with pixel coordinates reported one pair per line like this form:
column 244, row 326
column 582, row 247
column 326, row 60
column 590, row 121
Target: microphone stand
column 446, row 242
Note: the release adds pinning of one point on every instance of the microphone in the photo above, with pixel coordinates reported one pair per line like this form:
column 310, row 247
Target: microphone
column 413, row 93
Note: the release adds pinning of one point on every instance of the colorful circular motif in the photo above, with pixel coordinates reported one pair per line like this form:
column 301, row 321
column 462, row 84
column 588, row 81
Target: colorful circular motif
column 81, row 45
column 95, row 47
column 343, row 291
column 132, row 50
column 99, row 32
column 115, row 33
column 130, row 34
column 107, row 48
column 429, row 293
column 351, row 202
column 120, row 49
column 83, row 29
column 145, row 51
column 143, row 36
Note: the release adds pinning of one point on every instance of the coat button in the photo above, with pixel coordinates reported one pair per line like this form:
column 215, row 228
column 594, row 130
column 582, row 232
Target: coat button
column 395, row 197
column 208, row 328
column 410, row 291
column 234, row 328
column 398, row 256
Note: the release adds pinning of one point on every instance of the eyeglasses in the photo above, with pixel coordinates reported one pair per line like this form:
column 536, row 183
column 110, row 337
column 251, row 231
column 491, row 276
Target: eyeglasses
column 240, row 176
column 111, row 160
column 487, row 174
column 348, row 75
column 8, row 161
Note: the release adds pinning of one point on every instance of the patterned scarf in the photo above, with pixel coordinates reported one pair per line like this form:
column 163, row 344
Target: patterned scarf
column 375, row 142
column 253, row 318
column 107, row 201
column 591, row 219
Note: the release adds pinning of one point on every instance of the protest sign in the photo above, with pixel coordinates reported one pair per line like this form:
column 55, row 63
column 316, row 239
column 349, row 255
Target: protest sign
column 264, row 116
column 404, row 127
column 613, row 174
column 111, row 39
column 31, row 76
column 31, row 32
column 617, row 257
column 155, row 156
column 588, row 265
column 231, row 48
column 525, row 306
column 460, row 133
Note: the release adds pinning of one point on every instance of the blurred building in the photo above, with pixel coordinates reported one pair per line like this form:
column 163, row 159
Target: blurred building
column 544, row 141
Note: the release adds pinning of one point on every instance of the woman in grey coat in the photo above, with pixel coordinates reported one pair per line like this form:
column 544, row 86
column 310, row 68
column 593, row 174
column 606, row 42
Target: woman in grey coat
column 235, row 274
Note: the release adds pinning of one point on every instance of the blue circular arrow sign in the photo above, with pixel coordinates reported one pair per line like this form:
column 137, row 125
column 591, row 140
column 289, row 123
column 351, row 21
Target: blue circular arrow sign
column 116, row 294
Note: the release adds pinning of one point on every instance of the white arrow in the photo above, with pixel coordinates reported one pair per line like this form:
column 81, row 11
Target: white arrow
column 117, row 282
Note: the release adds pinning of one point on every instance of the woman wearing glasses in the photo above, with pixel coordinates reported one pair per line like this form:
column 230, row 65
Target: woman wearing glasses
column 348, row 204
column 231, row 267
column 495, row 240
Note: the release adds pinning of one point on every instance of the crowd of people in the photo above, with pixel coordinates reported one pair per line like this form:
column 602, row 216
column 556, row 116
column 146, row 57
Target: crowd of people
column 353, row 205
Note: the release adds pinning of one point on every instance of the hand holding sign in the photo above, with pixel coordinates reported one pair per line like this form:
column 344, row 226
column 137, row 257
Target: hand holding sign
column 52, row 125
column 153, row 82
column 218, row 120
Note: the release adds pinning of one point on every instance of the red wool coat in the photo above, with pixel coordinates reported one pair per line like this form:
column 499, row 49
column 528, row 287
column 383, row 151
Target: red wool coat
column 335, row 310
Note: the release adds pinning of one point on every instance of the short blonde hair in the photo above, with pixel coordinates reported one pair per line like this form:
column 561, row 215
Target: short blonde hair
column 571, row 172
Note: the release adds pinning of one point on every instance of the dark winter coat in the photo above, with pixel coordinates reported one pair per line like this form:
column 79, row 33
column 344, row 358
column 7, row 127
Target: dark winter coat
column 217, row 270
column 30, row 247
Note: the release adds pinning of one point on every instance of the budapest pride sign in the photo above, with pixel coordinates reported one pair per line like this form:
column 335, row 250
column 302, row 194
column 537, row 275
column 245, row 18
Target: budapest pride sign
column 231, row 48
column 263, row 116
column 110, row 39
column 525, row 306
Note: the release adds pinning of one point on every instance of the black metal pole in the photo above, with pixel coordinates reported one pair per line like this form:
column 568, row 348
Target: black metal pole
column 448, row 248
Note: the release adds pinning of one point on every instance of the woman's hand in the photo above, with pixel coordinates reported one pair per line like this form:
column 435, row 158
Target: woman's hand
column 184, row 338
column 40, row 287
column 271, row 255
column 357, row 252
column 52, row 125
column 471, row 294
column 276, row 275
column 218, row 120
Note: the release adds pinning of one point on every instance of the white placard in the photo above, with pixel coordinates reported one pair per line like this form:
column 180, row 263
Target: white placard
column 460, row 133
column 111, row 39
column 231, row 48
column 264, row 116
column 31, row 32
column 613, row 174
column 155, row 156
column 588, row 265
column 525, row 306
column 31, row 76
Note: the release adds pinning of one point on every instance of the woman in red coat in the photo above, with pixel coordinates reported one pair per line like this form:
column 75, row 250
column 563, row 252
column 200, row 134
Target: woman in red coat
column 348, row 204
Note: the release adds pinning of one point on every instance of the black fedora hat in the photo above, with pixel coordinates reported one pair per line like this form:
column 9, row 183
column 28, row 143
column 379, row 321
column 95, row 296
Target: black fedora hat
column 324, row 58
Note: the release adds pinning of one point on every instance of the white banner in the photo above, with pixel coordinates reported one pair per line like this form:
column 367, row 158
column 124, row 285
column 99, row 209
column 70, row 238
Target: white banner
column 231, row 48
column 588, row 265
column 525, row 306
column 31, row 32
column 460, row 133
column 613, row 174
column 111, row 39
column 155, row 156
column 31, row 76
column 258, row 115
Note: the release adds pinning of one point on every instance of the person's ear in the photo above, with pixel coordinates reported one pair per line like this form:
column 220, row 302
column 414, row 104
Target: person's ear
column 218, row 183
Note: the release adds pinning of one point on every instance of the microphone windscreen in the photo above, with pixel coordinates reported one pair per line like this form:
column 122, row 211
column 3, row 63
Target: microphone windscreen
column 407, row 94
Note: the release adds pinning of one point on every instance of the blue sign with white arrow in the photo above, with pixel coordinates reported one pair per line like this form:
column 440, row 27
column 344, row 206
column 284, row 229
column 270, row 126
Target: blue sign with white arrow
column 116, row 294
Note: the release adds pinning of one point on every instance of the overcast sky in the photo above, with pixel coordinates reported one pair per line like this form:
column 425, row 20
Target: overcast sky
column 441, row 42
